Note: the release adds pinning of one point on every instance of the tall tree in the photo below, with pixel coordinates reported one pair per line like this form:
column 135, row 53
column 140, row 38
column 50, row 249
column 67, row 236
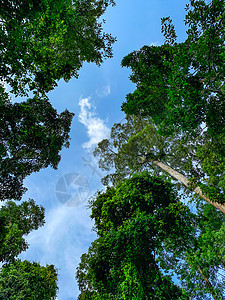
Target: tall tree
column 31, row 136
column 136, row 145
column 181, row 87
column 26, row 280
column 44, row 41
column 142, row 229
column 41, row 43
column 134, row 221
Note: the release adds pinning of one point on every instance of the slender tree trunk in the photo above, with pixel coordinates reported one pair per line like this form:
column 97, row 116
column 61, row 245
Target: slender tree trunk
column 208, row 284
column 186, row 182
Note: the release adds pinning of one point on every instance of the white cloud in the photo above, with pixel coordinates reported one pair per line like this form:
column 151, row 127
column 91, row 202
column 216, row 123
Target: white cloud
column 96, row 128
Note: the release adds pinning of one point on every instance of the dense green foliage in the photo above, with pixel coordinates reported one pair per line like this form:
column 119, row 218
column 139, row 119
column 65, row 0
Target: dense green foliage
column 180, row 85
column 138, row 137
column 205, row 260
column 44, row 41
column 15, row 222
column 31, row 136
column 180, row 91
column 145, row 232
column 133, row 223
column 25, row 280
column 22, row 279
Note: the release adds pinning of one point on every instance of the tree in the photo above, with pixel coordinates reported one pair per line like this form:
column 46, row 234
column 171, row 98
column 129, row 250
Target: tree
column 201, row 267
column 124, row 281
column 41, row 42
column 15, row 222
column 31, row 134
column 134, row 221
column 181, row 85
column 136, row 145
column 145, row 232
column 22, row 280
column 44, row 41
column 26, row 280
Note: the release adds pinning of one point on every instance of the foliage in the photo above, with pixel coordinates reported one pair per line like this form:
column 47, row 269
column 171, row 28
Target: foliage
column 134, row 221
column 144, row 233
column 15, row 222
column 127, row 143
column 138, row 137
column 211, row 154
column 180, row 91
column 32, row 134
column 181, row 85
column 176, row 114
column 26, row 280
column 41, row 42
column 205, row 260
column 44, row 41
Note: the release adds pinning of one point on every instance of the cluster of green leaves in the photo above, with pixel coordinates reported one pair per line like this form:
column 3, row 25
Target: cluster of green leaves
column 44, row 41
column 22, row 280
column 145, row 232
column 180, row 85
column 134, row 221
column 25, row 280
column 200, row 268
column 162, row 93
column 32, row 134
column 211, row 154
column 15, row 222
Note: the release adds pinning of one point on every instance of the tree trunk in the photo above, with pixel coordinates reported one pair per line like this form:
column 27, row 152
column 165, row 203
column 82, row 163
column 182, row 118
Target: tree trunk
column 185, row 181
column 208, row 283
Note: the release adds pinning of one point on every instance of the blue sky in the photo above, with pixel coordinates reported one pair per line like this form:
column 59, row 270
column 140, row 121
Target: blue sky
column 95, row 98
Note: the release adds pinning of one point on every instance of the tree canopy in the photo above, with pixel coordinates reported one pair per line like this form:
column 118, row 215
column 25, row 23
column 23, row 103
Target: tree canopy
column 26, row 280
column 180, row 85
column 17, row 221
column 134, row 221
column 180, row 92
column 145, row 234
column 31, row 136
column 44, row 41
column 174, row 126
column 136, row 145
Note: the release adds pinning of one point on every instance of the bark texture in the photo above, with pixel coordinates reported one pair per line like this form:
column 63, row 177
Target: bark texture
column 185, row 181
